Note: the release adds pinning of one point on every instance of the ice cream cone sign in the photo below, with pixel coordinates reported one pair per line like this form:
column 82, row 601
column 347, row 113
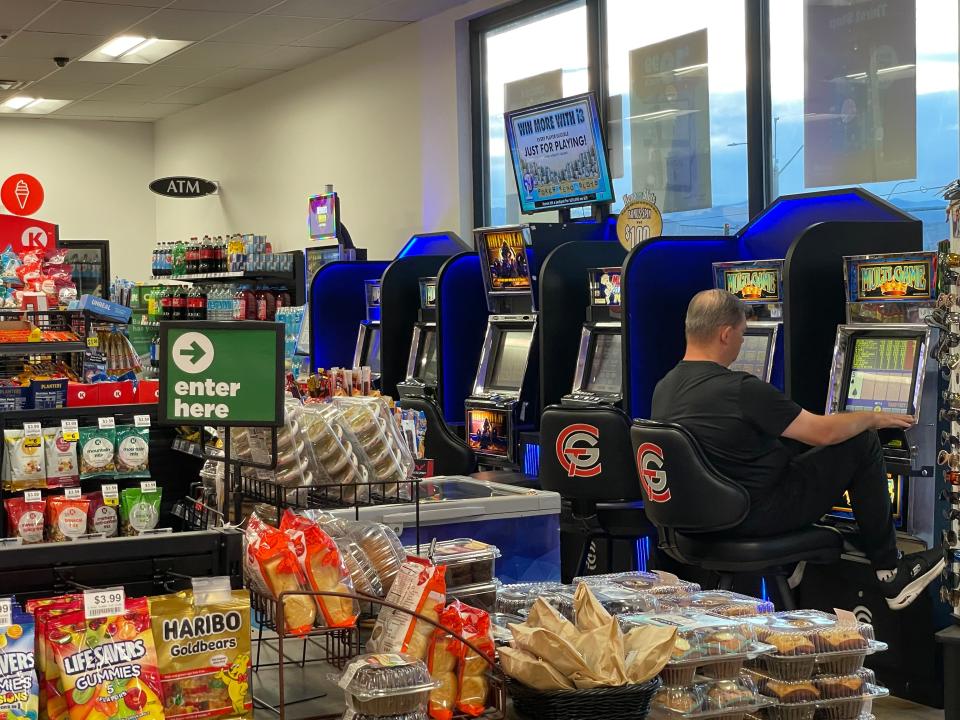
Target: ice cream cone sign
column 21, row 194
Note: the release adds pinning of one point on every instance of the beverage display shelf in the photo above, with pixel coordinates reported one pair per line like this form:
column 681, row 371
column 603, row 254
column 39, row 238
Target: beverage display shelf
column 229, row 276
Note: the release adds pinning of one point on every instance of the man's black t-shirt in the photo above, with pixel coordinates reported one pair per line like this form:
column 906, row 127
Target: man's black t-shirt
column 736, row 417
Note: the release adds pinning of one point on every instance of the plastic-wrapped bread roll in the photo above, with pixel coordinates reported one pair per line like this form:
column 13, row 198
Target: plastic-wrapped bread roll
column 271, row 566
column 444, row 698
column 473, row 686
column 443, row 657
column 419, row 588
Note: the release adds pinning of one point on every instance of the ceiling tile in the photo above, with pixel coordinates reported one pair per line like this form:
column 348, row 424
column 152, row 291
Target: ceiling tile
column 24, row 68
column 89, row 18
column 43, row 45
column 349, row 33
column 159, row 110
column 219, row 55
column 174, row 76
column 238, row 78
column 410, row 10
column 273, row 29
column 324, row 8
column 241, row 6
column 287, row 58
column 186, row 24
column 63, row 91
column 14, row 14
column 137, row 3
column 194, row 95
column 98, row 108
column 134, row 93
column 99, row 72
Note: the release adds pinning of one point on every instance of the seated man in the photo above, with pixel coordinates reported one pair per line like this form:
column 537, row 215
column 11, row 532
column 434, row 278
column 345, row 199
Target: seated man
column 739, row 421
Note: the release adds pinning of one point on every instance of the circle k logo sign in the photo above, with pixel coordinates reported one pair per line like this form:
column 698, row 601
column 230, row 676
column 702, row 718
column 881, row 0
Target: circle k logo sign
column 652, row 474
column 577, row 450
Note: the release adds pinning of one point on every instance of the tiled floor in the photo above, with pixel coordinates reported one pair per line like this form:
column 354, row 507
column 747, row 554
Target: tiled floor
column 896, row 709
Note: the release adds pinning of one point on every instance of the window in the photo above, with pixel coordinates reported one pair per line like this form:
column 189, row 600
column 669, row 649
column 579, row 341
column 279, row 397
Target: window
column 677, row 121
column 534, row 60
column 866, row 95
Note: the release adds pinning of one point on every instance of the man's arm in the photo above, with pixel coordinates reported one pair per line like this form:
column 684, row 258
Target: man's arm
column 832, row 429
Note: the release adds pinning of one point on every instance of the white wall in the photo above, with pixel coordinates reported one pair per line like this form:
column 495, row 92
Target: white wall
column 387, row 122
column 95, row 176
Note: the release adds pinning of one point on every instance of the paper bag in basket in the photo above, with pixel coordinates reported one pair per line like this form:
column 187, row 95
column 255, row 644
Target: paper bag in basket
column 532, row 671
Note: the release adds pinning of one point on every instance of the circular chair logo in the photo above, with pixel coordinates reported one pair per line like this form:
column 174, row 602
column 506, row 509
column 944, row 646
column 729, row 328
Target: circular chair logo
column 652, row 475
column 577, row 450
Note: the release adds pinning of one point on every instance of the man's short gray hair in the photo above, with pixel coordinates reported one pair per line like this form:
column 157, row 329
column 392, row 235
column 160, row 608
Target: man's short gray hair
column 710, row 310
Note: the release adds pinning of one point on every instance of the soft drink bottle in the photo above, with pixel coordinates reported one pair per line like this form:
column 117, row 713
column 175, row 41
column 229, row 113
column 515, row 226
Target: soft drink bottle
column 179, row 258
column 166, row 303
column 180, row 303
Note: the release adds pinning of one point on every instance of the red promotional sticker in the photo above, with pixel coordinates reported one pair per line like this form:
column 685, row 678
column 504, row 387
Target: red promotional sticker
column 21, row 194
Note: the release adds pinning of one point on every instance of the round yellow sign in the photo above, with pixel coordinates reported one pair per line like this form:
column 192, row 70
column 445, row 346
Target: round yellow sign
column 638, row 221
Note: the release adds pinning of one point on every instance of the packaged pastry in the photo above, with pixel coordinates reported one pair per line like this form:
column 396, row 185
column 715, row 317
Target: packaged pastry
column 723, row 602
column 133, row 451
column 615, row 599
column 473, row 685
column 25, row 519
column 97, row 452
column 518, row 598
column 468, row 561
column 831, row 697
column 23, row 460
column 108, row 666
column 66, row 518
column 808, row 641
column 319, row 559
column 364, row 575
column 382, row 547
column 139, row 510
column 481, row 595
column 19, row 689
column 53, row 704
column 336, row 454
column 443, row 656
column 655, row 582
column 713, row 645
column 386, row 684
column 420, row 588
column 716, row 699
column 60, row 457
column 203, row 653
column 372, row 422
column 102, row 517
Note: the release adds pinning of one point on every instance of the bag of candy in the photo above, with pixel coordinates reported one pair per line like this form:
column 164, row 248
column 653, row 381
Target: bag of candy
column 53, row 705
column 19, row 690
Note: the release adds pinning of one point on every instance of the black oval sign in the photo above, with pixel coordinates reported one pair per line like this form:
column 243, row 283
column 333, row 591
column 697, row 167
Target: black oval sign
column 182, row 186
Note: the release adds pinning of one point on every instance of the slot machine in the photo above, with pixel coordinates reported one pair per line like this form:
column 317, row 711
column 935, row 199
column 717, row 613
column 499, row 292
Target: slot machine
column 421, row 377
column 759, row 284
column 503, row 399
column 367, row 350
column 598, row 378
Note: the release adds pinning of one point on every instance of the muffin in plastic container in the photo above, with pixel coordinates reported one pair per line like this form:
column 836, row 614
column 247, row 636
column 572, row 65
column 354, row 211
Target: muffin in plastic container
column 364, row 576
column 714, row 646
column 649, row 582
column 518, row 598
column 382, row 547
column 729, row 699
column 386, row 684
column 723, row 602
column 831, row 697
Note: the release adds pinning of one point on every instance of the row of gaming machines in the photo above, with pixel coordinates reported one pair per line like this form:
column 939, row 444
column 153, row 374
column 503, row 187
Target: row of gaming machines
column 838, row 321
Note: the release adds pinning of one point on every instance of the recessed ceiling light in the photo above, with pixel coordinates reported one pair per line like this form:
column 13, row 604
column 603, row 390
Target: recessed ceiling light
column 19, row 102
column 134, row 49
column 32, row 106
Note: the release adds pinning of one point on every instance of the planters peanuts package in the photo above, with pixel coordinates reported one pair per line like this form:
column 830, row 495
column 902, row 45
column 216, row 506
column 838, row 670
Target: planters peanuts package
column 19, row 690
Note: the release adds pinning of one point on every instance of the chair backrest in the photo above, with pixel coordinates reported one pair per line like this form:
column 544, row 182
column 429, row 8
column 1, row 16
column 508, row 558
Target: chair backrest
column 584, row 454
column 681, row 489
column 450, row 454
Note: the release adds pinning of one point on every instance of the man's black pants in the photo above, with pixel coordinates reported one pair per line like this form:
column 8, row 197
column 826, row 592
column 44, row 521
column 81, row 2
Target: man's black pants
column 815, row 481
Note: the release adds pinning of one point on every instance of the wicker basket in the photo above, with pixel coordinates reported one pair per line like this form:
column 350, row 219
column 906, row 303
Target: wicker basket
column 627, row 702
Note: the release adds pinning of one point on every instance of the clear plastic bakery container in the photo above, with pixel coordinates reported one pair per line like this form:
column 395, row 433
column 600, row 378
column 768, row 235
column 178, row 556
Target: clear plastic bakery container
column 809, row 641
column 830, row 697
column 479, row 595
column 518, row 598
column 386, row 684
column 723, row 602
column 340, row 463
column 354, row 715
column 729, row 699
column 714, row 646
column 500, row 627
column 364, row 575
column 468, row 561
column 382, row 547
column 371, row 421
column 650, row 582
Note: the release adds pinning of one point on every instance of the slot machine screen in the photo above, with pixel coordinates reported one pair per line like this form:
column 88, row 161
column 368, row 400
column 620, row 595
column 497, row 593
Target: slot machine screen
column 754, row 357
column 504, row 254
column 605, row 368
column 373, row 349
column 509, row 360
column 488, row 432
column 882, row 373
column 897, row 489
column 427, row 362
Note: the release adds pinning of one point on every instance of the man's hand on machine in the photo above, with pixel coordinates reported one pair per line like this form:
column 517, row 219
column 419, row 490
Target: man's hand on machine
column 820, row 430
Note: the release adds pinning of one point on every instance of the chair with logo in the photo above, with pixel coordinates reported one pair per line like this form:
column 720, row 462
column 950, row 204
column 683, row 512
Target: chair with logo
column 584, row 456
column 692, row 505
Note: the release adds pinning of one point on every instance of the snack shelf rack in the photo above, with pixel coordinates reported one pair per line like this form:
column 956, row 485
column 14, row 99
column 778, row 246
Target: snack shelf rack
column 79, row 412
column 48, row 320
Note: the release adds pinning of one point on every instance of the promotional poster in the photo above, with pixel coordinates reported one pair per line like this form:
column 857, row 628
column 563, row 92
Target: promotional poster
column 506, row 257
column 487, row 432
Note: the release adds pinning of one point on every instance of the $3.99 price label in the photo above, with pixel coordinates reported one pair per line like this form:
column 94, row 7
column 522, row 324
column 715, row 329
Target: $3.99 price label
column 6, row 612
column 102, row 603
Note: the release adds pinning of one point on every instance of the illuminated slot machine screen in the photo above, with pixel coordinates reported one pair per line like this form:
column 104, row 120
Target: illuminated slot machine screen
column 508, row 361
column 506, row 265
column 896, row 486
column 427, row 361
column 488, row 432
column 882, row 372
column 368, row 347
column 603, row 375
column 756, row 353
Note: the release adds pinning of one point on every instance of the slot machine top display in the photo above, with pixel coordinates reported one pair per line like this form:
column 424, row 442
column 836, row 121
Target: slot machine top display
column 598, row 377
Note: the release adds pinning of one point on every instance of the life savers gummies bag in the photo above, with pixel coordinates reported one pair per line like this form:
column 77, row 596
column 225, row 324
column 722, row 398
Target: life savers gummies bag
column 19, row 690
column 108, row 666
column 53, row 705
column 203, row 652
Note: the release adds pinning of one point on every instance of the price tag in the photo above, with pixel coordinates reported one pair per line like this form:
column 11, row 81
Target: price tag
column 31, row 435
column 70, row 430
column 31, row 428
column 111, row 496
column 141, row 421
column 6, row 612
column 107, row 423
column 32, row 496
column 93, row 341
column 148, row 486
column 102, row 603
column 845, row 617
column 72, row 493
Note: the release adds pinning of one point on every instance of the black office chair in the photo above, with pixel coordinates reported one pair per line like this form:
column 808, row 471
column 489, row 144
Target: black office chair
column 451, row 455
column 691, row 504
column 584, row 455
